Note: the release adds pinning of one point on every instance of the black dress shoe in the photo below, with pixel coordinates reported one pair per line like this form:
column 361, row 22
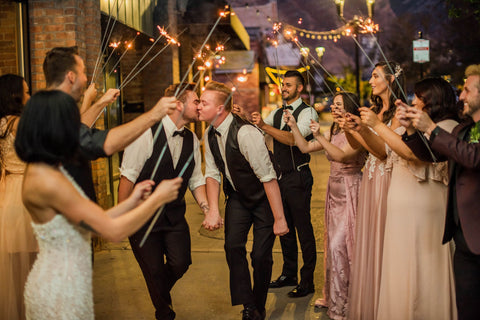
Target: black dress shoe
column 300, row 291
column 283, row 281
column 251, row 314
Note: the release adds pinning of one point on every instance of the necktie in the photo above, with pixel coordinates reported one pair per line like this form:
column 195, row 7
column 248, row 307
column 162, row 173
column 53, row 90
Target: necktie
column 214, row 148
column 181, row 133
column 289, row 107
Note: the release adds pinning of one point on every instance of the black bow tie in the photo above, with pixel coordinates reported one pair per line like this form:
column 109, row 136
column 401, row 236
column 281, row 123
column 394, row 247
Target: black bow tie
column 181, row 133
column 215, row 131
column 288, row 107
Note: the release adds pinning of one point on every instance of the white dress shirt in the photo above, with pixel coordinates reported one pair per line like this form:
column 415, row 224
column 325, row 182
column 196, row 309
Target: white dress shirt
column 252, row 146
column 138, row 152
column 303, row 122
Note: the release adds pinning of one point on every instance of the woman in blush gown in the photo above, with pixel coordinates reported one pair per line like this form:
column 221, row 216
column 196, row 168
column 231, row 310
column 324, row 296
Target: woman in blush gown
column 386, row 81
column 341, row 201
column 60, row 283
column 417, row 279
column 18, row 247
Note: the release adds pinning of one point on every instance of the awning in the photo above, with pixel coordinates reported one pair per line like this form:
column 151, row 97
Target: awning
column 237, row 61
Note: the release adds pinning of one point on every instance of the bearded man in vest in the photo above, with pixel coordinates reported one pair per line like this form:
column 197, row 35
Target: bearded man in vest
column 166, row 254
column 296, row 183
column 236, row 149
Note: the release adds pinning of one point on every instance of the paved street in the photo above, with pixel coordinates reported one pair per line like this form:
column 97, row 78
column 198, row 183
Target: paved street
column 203, row 293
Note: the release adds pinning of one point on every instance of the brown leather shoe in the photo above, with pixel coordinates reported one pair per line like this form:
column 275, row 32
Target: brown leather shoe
column 283, row 281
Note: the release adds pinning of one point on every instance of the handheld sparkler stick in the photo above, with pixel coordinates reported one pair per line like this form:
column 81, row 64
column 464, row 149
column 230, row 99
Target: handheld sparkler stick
column 222, row 14
column 129, row 45
column 103, row 39
column 162, row 34
column 159, row 128
column 187, row 163
column 422, row 137
column 389, row 67
column 184, row 168
column 94, row 76
column 114, row 45
column 170, row 41
column 125, row 82
column 329, row 74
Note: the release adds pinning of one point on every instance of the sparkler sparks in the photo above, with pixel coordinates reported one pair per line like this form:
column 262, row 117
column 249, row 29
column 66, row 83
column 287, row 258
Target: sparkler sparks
column 169, row 38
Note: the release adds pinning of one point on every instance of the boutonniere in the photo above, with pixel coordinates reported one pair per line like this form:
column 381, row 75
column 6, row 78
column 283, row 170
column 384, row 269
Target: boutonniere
column 475, row 133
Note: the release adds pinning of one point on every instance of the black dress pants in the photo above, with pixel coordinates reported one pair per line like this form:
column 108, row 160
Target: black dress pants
column 466, row 267
column 164, row 258
column 296, row 189
column 238, row 221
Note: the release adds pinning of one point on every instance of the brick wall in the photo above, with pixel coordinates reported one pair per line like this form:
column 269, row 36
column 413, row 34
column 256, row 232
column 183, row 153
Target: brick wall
column 8, row 43
column 62, row 23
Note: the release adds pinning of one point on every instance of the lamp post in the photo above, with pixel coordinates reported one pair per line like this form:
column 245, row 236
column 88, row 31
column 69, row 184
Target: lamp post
column 356, row 33
column 305, row 52
column 320, row 51
column 340, row 4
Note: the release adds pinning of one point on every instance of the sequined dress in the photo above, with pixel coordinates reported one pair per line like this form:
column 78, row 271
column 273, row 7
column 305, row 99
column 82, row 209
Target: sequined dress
column 60, row 283
column 18, row 247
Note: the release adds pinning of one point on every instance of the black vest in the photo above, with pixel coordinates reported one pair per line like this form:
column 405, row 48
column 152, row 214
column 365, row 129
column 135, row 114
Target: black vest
column 288, row 158
column 174, row 211
column 246, row 183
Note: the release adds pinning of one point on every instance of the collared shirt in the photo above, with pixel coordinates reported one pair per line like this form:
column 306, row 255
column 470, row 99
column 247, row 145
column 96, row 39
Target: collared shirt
column 252, row 146
column 303, row 122
column 137, row 153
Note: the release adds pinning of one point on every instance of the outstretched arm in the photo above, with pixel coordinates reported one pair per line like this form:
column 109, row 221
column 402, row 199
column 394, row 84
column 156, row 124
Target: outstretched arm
column 369, row 140
column 281, row 136
column 47, row 192
column 388, row 135
column 304, row 145
column 89, row 112
column 120, row 137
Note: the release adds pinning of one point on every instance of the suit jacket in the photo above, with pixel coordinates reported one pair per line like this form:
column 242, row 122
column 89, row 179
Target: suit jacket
column 464, row 171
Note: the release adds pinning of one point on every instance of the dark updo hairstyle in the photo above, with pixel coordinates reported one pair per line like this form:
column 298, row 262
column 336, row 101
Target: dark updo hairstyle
column 351, row 103
column 439, row 98
column 393, row 72
column 11, row 98
column 49, row 128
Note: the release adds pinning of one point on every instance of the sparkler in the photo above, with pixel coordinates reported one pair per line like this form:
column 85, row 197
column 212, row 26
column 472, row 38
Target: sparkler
column 159, row 128
column 128, row 79
column 128, row 47
column 424, row 140
column 113, row 45
column 102, row 51
column 199, row 55
column 146, row 53
column 170, row 40
column 162, row 152
column 185, row 166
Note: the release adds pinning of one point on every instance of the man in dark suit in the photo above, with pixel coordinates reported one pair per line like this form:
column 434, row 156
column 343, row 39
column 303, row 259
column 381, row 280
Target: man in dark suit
column 462, row 149
column 166, row 254
column 296, row 183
